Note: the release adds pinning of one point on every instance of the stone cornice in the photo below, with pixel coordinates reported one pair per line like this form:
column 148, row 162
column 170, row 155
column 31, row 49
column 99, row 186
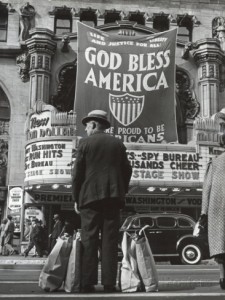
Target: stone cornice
column 41, row 41
column 208, row 50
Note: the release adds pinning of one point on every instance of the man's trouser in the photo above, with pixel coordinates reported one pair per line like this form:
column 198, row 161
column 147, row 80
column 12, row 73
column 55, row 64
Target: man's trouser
column 31, row 244
column 103, row 217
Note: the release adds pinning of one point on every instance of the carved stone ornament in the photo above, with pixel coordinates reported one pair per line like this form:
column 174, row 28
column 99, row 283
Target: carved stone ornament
column 188, row 102
column 27, row 13
column 65, row 42
column 187, row 48
column 216, row 23
column 23, row 62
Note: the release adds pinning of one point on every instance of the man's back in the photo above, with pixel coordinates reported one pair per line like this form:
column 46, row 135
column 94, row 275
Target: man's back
column 106, row 171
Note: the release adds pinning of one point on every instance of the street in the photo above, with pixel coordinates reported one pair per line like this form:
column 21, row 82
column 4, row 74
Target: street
column 175, row 282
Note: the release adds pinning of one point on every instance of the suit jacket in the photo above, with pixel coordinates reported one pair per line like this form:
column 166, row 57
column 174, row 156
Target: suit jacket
column 57, row 229
column 102, row 169
column 36, row 233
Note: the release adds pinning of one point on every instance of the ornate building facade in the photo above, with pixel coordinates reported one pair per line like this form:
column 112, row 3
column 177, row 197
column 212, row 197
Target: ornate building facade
column 38, row 60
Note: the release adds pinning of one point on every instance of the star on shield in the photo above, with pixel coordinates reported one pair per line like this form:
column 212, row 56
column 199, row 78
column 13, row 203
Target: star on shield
column 126, row 108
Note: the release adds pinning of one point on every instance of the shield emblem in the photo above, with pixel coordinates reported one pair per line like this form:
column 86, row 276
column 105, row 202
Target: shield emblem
column 126, row 108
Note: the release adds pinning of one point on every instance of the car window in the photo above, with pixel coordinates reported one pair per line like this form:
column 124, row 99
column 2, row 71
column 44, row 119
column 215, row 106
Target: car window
column 126, row 223
column 135, row 223
column 184, row 223
column 166, row 222
column 146, row 221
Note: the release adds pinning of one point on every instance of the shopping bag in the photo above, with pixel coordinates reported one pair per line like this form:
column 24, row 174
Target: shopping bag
column 129, row 275
column 146, row 263
column 72, row 282
column 54, row 271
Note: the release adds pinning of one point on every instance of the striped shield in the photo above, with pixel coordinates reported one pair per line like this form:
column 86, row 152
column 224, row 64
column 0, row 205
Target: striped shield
column 126, row 108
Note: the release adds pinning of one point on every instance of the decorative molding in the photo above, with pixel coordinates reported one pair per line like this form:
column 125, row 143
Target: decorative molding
column 23, row 62
column 41, row 41
column 61, row 10
column 208, row 50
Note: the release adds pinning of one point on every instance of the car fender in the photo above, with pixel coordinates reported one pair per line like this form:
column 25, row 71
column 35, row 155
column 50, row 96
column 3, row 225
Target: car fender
column 188, row 239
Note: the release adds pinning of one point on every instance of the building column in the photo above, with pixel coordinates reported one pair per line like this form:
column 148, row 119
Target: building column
column 41, row 48
column 208, row 56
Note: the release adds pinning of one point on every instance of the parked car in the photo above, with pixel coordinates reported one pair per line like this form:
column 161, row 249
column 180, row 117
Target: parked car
column 170, row 236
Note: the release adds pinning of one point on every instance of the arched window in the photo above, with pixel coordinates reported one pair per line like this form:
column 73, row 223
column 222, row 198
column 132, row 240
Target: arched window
column 187, row 106
column 64, row 99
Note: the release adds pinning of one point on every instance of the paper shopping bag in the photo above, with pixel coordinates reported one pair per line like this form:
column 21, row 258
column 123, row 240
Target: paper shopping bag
column 129, row 276
column 54, row 271
column 73, row 276
column 146, row 264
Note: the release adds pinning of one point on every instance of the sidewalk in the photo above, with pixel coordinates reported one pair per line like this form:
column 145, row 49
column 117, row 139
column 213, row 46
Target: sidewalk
column 21, row 260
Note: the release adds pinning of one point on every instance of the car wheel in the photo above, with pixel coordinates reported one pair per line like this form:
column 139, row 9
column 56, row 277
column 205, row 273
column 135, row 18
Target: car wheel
column 190, row 254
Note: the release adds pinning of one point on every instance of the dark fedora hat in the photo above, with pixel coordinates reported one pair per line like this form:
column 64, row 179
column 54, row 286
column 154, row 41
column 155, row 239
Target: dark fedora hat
column 97, row 115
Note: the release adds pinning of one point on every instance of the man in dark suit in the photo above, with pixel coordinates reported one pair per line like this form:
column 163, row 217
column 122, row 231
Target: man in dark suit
column 56, row 231
column 35, row 239
column 101, row 177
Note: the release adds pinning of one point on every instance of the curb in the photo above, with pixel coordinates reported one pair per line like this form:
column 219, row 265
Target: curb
column 22, row 261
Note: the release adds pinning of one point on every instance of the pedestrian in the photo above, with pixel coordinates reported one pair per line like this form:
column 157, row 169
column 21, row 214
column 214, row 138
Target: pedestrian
column 57, row 229
column 44, row 238
column 213, row 211
column 9, row 230
column 2, row 234
column 100, row 181
column 35, row 239
column 27, row 229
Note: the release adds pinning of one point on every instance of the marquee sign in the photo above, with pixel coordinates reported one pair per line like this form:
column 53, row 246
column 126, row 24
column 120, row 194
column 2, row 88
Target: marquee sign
column 167, row 166
column 138, row 201
column 48, row 161
column 130, row 77
column 42, row 125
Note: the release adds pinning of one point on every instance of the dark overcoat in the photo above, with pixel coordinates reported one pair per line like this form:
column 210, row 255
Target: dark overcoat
column 213, row 204
column 102, row 170
column 57, row 229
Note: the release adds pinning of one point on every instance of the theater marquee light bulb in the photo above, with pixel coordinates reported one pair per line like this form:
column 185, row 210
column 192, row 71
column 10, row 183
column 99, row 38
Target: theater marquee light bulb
column 55, row 186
